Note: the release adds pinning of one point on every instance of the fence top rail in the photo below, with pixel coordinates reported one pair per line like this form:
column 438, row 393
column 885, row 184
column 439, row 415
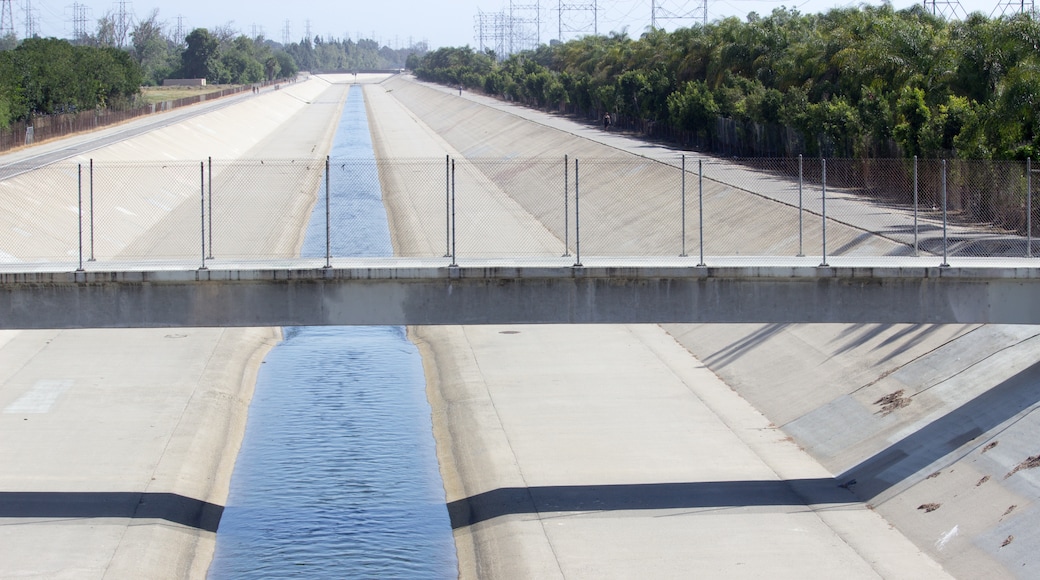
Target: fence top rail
column 649, row 267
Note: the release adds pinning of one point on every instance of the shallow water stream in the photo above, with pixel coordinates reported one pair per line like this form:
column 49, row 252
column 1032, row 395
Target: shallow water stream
column 337, row 476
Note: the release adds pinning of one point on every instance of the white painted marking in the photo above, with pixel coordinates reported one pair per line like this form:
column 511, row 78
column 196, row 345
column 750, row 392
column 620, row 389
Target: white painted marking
column 40, row 398
column 941, row 543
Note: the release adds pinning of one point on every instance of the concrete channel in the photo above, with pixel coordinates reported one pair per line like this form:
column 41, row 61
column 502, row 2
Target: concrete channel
column 568, row 451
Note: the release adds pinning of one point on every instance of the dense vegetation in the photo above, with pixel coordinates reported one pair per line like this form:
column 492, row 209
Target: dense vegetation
column 867, row 81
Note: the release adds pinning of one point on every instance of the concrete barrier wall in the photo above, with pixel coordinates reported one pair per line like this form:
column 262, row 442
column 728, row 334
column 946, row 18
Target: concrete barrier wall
column 530, row 295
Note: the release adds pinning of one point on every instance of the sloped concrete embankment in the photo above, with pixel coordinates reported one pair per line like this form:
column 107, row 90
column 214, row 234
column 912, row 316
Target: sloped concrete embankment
column 129, row 468
column 932, row 425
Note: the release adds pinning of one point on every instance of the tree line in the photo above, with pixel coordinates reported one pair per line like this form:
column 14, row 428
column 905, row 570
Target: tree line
column 47, row 76
column 866, row 82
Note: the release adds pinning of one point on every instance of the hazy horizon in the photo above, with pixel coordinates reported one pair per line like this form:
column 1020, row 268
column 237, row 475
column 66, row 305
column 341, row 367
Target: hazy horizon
column 404, row 23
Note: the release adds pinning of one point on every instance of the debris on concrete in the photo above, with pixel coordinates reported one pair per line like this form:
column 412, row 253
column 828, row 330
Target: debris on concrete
column 892, row 401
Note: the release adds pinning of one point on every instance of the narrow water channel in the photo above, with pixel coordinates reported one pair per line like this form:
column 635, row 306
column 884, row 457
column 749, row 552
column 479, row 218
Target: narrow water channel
column 337, row 476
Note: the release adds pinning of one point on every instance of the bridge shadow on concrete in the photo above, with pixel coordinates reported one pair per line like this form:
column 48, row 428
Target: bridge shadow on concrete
column 863, row 482
column 171, row 507
column 644, row 496
column 945, row 435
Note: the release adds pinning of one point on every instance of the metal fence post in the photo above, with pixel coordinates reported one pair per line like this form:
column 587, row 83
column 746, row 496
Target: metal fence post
column 447, row 206
column 210, row 162
column 202, row 209
column 916, row 253
column 823, row 199
column 566, row 208
column 801, row 227
column 328, row 217
column 700, row 207
column 577, row 219
column 1029, row 207
column 454, row 264
column 945, row 238
column 79, row 204
column 91, row 211
column 682, row 254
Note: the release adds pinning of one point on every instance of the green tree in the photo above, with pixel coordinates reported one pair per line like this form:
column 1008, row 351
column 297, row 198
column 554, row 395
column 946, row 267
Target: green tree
column 199, row 58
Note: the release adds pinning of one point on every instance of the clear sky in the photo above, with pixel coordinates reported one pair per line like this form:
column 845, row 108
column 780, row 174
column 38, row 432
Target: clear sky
column 398, row 23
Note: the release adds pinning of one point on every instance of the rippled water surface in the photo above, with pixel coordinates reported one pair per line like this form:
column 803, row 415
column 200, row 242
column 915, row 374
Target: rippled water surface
column 337, row 476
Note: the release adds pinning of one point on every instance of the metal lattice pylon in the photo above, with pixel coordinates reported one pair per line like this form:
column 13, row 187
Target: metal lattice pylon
column 578, row 21
column 677, row 11
column 945, row 9
column 492, row 32
column 1012, row 7
column 6, row 19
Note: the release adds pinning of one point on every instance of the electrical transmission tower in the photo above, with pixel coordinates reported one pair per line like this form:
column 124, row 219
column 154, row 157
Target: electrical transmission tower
column 32, row 20
column 178, row 31
column 287, row 33
column 492, row 32
column 674, row 11
column 525, row 26
column 79, row 21
column 1012, row 7
column 6, row 19
column 578, row 19
column 124, row 23
column 945, row 9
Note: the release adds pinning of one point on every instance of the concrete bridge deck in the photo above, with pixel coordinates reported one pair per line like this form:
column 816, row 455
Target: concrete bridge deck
column 412, row 291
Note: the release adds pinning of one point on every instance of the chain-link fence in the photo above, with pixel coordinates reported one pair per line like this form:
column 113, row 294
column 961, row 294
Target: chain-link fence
column 86, row 215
